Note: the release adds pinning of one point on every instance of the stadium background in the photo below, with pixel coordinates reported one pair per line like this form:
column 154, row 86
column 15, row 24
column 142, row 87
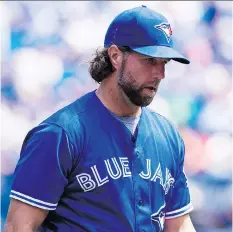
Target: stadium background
column 45, row 47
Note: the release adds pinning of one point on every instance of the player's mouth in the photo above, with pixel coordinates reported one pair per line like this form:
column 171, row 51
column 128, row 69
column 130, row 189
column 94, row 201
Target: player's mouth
column 150, row 88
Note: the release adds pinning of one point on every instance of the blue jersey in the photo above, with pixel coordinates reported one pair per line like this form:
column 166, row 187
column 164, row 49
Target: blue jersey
column 86, row 168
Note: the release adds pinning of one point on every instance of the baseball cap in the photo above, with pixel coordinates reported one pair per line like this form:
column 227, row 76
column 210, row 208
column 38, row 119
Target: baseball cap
column 145, row 31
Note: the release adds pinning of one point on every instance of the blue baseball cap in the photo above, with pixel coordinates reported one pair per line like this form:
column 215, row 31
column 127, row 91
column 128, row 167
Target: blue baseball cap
column 145, row 31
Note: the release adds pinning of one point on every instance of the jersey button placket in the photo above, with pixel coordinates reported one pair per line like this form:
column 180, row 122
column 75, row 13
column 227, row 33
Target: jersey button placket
column 137, row 154
column 140, row 203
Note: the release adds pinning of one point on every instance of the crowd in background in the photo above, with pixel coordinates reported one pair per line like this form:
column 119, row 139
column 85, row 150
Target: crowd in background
column 46, row 47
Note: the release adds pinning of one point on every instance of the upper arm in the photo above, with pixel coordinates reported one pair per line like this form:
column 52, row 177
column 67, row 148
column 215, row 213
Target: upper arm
column 40, row 176
column 179, row 224
column 42, row 171
column 24, row 217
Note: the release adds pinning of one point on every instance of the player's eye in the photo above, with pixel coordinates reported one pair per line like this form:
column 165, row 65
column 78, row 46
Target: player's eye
column 150, row 60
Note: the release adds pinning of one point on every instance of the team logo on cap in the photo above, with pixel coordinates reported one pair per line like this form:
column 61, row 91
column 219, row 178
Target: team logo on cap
column 166, row 29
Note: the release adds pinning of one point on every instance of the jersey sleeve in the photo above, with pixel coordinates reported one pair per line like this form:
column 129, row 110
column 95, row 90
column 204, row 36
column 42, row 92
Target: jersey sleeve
column 43, row 167
column 179, row 201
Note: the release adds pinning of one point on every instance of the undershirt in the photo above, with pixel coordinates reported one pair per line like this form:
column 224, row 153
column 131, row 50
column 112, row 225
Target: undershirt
column 130, row 122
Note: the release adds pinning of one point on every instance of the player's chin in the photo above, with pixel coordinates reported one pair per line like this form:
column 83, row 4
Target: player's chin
column 146, row 100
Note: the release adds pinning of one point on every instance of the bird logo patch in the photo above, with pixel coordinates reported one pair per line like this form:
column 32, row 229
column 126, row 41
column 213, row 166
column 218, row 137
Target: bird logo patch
column 166, row 29
column 159, row 218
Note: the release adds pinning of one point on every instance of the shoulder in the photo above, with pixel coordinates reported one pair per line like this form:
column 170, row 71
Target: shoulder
column 66, row 122
column 161, row 121
column 166, row 128
column 71, row 114
column 71, row 117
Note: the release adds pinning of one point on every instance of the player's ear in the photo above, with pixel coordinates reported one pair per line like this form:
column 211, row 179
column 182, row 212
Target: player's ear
column 115, row 56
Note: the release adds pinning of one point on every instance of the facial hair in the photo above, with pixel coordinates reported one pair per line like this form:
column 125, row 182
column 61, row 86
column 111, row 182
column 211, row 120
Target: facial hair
column 131, row 89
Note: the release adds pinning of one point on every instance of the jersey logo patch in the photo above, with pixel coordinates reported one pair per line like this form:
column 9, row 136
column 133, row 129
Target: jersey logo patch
column 159, row 218
column 166, row 29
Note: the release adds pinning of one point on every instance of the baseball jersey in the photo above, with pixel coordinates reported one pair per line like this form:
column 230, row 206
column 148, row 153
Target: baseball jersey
column 85, row 167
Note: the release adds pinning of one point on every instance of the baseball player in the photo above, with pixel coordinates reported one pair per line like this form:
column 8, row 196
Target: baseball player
column 106, row 163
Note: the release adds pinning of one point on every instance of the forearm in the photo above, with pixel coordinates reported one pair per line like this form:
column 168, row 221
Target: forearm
column 23, row 217
column 14, row 227
column 179, row 224
column 181, row 229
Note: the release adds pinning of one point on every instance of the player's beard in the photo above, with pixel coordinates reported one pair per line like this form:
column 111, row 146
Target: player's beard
column 131, row 89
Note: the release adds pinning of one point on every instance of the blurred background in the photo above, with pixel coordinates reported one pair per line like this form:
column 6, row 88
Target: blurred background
column 45, row 49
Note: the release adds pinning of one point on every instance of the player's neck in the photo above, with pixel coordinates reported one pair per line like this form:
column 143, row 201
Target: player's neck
column 115, row 100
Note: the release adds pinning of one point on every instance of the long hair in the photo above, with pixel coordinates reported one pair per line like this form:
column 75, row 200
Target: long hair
column 100, row 66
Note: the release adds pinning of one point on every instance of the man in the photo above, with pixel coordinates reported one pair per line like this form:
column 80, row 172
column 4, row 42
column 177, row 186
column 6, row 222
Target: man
column 105, row 162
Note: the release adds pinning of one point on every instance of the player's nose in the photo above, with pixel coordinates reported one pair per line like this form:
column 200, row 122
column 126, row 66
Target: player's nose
column 159, row 71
